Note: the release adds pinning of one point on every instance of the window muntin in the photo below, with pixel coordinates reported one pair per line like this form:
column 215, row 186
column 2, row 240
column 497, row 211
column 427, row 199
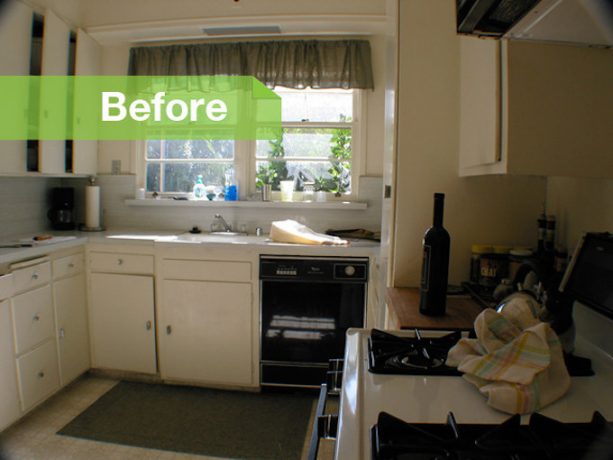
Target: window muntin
column 317, row 140
column 316, row 125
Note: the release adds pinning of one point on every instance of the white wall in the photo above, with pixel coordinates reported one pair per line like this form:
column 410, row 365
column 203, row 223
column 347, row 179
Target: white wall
column 111, row 12
column 496, row 210
column 580, row 205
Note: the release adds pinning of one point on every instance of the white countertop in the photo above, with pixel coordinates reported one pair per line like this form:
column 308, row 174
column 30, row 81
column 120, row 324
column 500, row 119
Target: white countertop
column 356, row 248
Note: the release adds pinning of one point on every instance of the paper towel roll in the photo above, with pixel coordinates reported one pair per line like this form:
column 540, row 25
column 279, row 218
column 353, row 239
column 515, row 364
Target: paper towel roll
column 92, row 206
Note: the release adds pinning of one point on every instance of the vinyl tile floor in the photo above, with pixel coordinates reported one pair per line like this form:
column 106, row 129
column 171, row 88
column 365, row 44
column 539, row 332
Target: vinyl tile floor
column 34, row 436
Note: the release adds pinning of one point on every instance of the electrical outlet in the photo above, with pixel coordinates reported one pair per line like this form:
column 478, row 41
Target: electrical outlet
column 116, row 167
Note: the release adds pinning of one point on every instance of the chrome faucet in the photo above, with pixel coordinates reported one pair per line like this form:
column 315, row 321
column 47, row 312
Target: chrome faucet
column 226, row 227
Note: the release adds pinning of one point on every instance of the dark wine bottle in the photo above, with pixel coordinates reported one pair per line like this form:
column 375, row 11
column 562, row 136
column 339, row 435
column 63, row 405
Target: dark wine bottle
column 435, row 265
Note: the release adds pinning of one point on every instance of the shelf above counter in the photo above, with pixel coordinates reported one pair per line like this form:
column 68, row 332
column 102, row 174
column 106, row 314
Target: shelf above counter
column 315, row 205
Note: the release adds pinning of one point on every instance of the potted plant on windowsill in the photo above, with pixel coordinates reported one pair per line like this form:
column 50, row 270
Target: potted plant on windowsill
column 264, row 179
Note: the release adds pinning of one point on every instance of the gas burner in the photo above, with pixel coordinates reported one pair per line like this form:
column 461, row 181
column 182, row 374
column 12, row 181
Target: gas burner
column 391, row 354
column 542, row 438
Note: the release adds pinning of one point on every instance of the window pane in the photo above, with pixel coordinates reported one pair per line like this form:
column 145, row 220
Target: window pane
column 154, row 149
column 311, row 171
column 199, row 149
column 307, row 143
column 331, row 105
column 182, row 176
column 153, row 177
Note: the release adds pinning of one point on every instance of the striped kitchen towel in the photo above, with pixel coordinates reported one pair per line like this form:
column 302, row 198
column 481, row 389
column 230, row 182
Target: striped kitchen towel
column 516, row 360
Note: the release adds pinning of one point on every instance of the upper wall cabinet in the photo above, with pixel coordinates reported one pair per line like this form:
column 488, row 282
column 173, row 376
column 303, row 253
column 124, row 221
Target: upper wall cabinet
column 16, row 30
column 538, row 109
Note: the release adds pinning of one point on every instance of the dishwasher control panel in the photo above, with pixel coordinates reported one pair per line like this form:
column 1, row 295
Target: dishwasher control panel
column 314, row 268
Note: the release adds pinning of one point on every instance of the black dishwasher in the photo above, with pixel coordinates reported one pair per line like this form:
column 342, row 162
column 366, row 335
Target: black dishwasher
column 306, row 306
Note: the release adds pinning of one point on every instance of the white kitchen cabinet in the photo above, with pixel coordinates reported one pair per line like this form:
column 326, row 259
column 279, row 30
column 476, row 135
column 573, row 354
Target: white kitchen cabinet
column 33, row 322
column 9, row 396
column 16, row 29
column 71, row 326
column 534, row 108
column 87, row 62
column 122, row 322
column 205, row 332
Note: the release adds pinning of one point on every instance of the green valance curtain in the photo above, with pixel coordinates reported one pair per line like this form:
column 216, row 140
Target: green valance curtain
column 290, row 63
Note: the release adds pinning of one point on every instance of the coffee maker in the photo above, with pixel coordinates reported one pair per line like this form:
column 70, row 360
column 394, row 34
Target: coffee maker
column 61, row 213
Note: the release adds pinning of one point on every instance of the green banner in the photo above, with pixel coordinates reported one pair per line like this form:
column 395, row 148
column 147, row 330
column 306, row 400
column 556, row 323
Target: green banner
column 137, row 108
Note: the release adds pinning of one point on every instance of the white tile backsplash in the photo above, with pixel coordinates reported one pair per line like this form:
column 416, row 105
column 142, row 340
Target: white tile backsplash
column 24, row 202
column 116, row 214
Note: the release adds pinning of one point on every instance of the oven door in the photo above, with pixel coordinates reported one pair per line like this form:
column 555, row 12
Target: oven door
column 303, row 326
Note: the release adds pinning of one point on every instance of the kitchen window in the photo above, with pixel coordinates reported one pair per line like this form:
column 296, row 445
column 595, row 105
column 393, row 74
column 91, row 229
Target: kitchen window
column 319, row 150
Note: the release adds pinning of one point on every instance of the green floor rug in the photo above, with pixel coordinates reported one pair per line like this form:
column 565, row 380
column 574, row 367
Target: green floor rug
column 199, row 421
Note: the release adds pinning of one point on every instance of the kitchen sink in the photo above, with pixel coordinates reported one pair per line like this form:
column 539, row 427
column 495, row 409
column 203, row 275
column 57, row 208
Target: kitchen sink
column 228, row 233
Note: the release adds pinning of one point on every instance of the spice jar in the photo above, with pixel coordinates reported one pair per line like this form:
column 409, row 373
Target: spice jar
column 517, row 256
column 493, row 266
column 477, row 250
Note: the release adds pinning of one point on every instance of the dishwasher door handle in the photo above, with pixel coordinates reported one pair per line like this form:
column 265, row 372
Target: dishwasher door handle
column 325, row 425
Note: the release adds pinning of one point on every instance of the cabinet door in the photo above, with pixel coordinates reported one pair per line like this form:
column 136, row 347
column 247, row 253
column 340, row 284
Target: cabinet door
column 88, row 55
column 206, row 332
column 16, row 30
column 9, row 397
column 480, row 102
column 122, row 322
column 72, row 329
column 56, row 39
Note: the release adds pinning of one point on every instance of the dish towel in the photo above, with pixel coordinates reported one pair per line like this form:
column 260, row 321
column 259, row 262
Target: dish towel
column 516, row 360
column 290, row 231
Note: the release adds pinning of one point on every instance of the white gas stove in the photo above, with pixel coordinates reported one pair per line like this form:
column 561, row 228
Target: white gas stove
column 429, row 399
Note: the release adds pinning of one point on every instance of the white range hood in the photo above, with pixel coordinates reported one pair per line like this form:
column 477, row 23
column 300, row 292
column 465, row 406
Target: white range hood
column 588, row 22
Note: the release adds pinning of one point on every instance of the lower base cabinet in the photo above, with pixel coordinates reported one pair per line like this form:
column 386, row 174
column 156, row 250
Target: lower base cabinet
column 38, row 374
column 205, row 332
column 71, row 325
column 9, row 396
column 123, row 322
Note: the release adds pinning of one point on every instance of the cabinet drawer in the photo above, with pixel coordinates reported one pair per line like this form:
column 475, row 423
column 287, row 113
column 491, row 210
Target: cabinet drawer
column 121, row 263
column 33, row 317
column 67, row 266
column 206, row 270
column 6, row 286
column 38, row 374
column 31, row 277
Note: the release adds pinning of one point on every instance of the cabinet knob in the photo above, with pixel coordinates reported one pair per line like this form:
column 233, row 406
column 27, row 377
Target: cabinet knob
column 36, row 317
column 70, row 265
column 119, row 261
column 62, row 333
column 34, row 276
column 41, row 375
column 148, row 325
column 168, row 330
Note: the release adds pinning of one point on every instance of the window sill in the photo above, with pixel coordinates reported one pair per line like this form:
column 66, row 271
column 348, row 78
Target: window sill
column 336, row 205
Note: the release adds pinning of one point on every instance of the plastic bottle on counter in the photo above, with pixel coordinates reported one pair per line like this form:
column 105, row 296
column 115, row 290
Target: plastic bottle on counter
column 199, row 189
column 231, row 188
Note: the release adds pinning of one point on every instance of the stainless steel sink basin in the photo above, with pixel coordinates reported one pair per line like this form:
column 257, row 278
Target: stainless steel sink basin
column 228, row 233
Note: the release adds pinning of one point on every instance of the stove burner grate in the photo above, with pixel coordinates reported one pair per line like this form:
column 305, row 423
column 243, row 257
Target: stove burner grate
column 542, row 438
column 391, row 354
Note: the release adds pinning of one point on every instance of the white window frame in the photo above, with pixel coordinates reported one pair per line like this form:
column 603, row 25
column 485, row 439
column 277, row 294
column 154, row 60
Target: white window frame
column 245, row 154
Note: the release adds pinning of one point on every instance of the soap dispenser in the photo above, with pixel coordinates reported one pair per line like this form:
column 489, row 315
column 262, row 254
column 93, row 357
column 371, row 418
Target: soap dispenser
column 199, row 189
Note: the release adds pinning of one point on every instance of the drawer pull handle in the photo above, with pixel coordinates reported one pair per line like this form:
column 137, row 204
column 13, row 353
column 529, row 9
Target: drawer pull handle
column 70, row 265
column 41, row 375
column 168, row 330
column 36, row 317
column 62, row 333
column 34, row 276
column 148, row 325
column 119, row 261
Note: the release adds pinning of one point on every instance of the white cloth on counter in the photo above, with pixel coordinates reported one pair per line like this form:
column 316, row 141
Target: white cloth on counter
column 290, row 231
column 516, row 360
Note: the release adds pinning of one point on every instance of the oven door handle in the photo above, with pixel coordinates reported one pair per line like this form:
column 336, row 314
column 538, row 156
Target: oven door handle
column 325, row 425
